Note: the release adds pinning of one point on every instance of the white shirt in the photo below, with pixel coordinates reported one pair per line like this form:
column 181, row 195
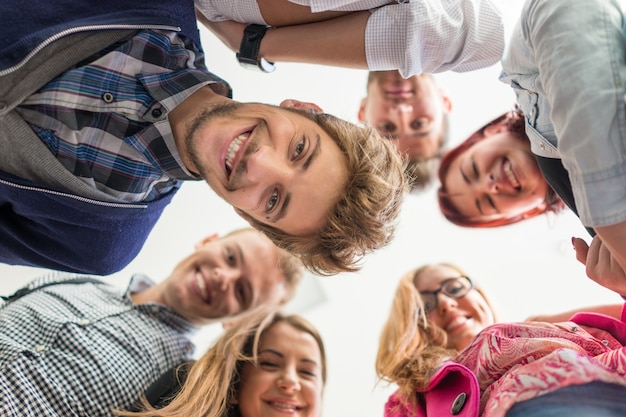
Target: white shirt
column 414, row 37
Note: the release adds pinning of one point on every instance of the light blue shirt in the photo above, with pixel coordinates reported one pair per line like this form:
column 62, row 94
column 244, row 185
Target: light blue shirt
column 566, row 61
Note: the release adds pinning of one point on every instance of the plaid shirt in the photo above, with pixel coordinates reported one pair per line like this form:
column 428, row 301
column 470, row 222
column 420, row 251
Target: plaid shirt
column 106, row 120
column 82, row 349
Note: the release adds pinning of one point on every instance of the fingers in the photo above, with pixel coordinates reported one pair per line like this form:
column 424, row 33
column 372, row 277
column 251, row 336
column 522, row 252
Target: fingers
column 581, row 248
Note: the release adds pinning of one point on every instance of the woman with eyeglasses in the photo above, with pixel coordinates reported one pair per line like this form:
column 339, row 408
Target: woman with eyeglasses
column 442, row 347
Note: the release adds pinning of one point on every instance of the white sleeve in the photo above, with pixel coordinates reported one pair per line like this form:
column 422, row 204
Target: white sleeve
column 434, row 36
column 243, row 11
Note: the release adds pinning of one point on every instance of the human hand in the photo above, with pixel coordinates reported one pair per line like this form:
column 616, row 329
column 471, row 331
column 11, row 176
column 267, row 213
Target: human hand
column 601, row 265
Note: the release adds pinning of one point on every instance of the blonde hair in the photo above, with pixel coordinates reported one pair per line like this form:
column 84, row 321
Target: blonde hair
column 411, row 348
column 213, row 381
column 364, row 218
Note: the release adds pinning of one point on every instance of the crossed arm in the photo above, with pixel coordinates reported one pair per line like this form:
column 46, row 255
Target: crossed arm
column 325, row 38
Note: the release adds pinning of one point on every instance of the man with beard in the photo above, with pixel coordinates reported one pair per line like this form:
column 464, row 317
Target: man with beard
column 107, row 109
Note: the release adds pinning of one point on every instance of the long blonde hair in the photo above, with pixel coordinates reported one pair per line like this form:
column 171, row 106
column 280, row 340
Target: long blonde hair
column 411, row 348
column 213, row 381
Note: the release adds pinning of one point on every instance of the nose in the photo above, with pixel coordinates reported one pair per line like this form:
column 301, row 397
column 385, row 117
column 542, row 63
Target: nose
column 223, row 277
column 265, row 165
column 405, row 108
column 288, row 380
column 491, row 184
column 445, row 303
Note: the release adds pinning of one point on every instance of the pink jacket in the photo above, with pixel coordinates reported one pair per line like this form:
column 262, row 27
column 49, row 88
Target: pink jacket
column 454, row 389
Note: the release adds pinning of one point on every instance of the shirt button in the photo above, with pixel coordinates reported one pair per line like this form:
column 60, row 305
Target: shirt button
column 542, row 146
column 532, row 113
column 156, row 113
column 574, row 328
column 458, row 404
column 605, row 342
column 84, row 322
column 107, row 97
column 40, row 348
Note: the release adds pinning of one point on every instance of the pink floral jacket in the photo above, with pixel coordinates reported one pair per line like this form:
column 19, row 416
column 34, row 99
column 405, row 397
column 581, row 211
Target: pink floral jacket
column 513, row 362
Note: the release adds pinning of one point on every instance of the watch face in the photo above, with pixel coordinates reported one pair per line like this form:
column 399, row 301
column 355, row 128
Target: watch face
column 266, row 66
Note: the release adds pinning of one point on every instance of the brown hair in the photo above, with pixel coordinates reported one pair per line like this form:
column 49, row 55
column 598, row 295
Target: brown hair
column 411, row 348
column 515, row 123
column 289, row 265
column 213, row 381
column 364, row 218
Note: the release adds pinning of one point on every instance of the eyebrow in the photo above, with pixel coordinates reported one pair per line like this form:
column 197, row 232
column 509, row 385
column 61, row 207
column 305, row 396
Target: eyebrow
column 312, row 157
column 277, row 353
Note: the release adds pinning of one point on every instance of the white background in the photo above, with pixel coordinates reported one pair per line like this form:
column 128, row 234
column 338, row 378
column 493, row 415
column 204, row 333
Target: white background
column 526, row 268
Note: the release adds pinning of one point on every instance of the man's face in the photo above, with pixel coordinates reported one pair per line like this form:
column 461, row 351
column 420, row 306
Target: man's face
column 277, row 166
column 410, row 111
column 224, row 277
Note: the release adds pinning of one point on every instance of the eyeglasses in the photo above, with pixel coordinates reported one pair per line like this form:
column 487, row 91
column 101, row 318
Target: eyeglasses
column 452, row 287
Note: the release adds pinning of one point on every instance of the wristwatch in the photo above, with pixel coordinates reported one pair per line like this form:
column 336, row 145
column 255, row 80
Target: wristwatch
column 248, row 55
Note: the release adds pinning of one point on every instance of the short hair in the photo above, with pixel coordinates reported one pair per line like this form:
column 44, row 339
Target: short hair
column 515, row 123
column 411, row 348
column 290, row 266
column 422, row 172
column 214, row 380
column 364, row 218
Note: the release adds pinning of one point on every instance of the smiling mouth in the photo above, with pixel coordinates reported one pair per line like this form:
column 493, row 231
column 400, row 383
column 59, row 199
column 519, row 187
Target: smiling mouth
column 284, row 406
column 507, row 168
column 456, row 322
column 232, row 151
column 204, row 292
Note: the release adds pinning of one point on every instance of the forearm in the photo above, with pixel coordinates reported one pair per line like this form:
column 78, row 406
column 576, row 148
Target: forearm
column 612, row 310
column 285, row 13
column 337, row 42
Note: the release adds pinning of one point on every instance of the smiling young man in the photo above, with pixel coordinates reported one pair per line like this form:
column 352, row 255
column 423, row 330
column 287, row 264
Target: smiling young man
column 74, row 345
column 96, row 142
column 413, row 114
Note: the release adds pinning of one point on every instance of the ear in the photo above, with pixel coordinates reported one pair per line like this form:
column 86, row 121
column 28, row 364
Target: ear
column 447, row 103
column 206, row 240
column 496, row 128
column 361, row 114
column 301, row 105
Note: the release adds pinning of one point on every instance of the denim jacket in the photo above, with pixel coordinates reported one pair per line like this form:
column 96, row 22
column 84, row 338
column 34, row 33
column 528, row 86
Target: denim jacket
column 566, row 62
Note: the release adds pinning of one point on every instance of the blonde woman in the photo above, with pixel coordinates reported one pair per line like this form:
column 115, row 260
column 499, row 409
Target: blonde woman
column 442, row 348
column 265, row 365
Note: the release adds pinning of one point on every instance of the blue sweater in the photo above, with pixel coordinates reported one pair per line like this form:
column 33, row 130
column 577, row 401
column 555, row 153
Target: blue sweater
column 46, row 227
column 27, row 25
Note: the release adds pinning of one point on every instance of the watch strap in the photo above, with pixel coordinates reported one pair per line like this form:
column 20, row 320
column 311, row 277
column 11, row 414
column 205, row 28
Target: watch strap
column 248, row 55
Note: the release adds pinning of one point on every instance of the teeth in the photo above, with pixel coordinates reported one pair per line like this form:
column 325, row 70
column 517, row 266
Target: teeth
column 233, row 149
column 456, row 322
column 203, row 291
column 284, row 406
column 508, row 171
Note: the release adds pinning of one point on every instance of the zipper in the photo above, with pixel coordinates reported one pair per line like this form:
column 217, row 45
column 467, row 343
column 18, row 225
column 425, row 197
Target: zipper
column 72, row 196
column 78, row 29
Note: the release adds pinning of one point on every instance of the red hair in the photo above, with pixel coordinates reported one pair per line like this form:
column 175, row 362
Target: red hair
column 514, row 121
